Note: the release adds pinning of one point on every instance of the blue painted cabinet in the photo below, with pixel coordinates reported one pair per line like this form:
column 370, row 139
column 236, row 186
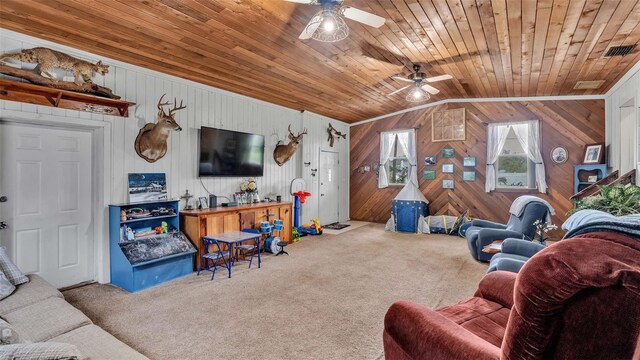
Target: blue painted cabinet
column 148, row 259
column 582, row 173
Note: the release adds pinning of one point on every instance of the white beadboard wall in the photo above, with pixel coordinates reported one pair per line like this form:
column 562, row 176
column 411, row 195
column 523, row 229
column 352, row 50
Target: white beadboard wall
column 206, row 106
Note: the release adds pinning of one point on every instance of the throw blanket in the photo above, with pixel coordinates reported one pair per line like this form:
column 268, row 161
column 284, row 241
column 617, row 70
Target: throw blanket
column 587, row 221
column 519, row 204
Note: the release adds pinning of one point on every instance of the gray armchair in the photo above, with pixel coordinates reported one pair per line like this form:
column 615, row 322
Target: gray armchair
column 515, row 252
column 483, row 232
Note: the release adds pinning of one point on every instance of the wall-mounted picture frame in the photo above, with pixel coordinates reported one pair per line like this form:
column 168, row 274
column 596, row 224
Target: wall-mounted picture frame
column 447, row 168
column 593, row 154
column 147, row 187
column 448, row 125
column 204, row 202
column 448, row 153
column 430, row 160
column 448, row 183
column 428, row 174
column 559, row 155
column 469, row 175
column 469, row 161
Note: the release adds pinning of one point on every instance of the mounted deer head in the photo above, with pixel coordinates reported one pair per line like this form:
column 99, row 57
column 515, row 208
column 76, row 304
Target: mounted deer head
column 151, row 143
column 282, row 153
column 333, row 133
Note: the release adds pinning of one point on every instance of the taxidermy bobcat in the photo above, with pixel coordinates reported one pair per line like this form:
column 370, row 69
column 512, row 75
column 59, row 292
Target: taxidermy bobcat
column 47, row 59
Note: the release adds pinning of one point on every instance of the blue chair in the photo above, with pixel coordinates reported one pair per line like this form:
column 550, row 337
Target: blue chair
column 484, row 232
column 213, row 257
column 515, row 252
column 244, row 249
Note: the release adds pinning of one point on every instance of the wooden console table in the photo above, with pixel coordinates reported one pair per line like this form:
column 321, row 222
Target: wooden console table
column 207, row 222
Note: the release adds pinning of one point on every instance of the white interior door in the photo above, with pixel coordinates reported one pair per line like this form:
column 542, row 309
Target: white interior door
column 329, row 186
column 627, row 139
column 46, row 177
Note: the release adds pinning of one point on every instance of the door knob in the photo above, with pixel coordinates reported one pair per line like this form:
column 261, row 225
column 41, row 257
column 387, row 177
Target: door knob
column 3, row 225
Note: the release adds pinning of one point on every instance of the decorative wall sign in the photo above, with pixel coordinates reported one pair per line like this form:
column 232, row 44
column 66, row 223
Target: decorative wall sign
column 448, row 153
column 147, row 187
column 469, row 161
column 447, row 168
column 448, row 183
column 593, row 154
column 469, row 175
column 448, row 125
column 430, row 160
column 559, row 155
column 429, row 174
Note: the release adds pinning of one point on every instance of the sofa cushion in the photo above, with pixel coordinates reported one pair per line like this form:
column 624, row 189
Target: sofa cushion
column 40, row 351
column 8, row 335
column 26, row 294
column 10, row 269
column 6, row 287
column 46, row 319
column 484, row 318
column 96, row 344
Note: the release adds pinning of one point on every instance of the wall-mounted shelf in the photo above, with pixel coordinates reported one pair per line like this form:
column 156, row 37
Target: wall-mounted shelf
column 46, row 96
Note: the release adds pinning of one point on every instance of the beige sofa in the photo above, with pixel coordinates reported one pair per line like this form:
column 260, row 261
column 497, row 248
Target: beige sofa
column 39, row 313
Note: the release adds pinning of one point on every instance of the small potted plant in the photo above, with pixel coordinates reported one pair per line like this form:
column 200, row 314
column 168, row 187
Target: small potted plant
column 542, row 228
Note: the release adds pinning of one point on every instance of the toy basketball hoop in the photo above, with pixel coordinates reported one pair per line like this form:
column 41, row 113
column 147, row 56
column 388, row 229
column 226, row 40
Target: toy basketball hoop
column 302, row 195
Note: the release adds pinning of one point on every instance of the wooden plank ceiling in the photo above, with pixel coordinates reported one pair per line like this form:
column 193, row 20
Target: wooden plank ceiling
column 492, row 48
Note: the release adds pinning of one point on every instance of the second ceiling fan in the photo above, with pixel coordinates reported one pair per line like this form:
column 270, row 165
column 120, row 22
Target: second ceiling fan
column 417, row 90
column 328, row 25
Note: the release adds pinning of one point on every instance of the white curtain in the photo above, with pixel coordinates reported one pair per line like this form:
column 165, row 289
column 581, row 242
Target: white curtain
column 528, row 134
column 386, row 146
column 407, row 142
column 496, row 139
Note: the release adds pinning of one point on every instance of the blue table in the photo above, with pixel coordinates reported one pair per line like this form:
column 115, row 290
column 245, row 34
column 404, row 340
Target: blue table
column 233, row 238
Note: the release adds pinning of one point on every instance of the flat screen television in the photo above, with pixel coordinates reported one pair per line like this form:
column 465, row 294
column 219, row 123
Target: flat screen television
column 230, row 153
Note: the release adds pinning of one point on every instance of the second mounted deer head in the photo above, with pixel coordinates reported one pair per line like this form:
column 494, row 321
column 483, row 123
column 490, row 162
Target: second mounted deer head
column 333, row 134
column 282, row 153
column 151, row 142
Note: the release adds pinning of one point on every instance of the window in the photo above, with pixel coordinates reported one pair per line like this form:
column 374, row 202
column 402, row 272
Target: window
column 514, row 169
column 397, row 158
column 514, row 160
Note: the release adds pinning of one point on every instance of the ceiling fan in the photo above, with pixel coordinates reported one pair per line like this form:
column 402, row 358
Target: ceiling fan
column 419, row 91
column 328, row 25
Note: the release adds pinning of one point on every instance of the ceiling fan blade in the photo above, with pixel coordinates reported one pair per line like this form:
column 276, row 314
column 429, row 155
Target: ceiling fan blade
column 363, row 16
column 400, row 78
column 303, row 1
column 430, row 89
column 397, row 91
column 311, row 28
column 439, row 78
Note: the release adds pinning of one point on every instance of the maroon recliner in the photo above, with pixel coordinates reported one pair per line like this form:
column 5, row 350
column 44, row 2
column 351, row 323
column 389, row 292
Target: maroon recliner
column 577, row 299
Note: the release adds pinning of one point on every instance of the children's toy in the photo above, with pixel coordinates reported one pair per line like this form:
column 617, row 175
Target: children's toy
column 130, row 235
column 297, row 190
column 162, row 229
column 295, row 234
column 313, row 229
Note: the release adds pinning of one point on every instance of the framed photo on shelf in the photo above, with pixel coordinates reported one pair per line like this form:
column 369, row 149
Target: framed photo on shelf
column 430, row 160
column 448, row 183
column 593, row 154
column 448, row 153
column 204, row 202
column 469, row 161
column 428, row 174
column 147, row 187
column 447, row 168
column 469, row 175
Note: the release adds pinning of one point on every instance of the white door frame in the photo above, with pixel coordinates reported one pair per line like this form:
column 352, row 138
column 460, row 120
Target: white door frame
column 338, row 178
column 101, row 163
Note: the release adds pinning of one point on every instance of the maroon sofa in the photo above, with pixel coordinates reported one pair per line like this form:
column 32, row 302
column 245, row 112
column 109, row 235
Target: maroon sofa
column 577, row 299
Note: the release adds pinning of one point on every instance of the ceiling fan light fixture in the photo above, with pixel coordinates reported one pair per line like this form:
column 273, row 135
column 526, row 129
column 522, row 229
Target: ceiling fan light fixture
column 417, row 95
column 332, row 27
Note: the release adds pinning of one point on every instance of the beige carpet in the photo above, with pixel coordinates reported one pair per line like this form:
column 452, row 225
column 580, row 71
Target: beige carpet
column 325, row 301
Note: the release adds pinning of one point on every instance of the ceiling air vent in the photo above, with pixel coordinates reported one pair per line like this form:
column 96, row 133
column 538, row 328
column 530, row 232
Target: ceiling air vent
column 588, row 85
column 620, row 50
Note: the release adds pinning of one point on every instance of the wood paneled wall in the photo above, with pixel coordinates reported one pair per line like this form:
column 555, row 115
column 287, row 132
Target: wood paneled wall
column 571, row 124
